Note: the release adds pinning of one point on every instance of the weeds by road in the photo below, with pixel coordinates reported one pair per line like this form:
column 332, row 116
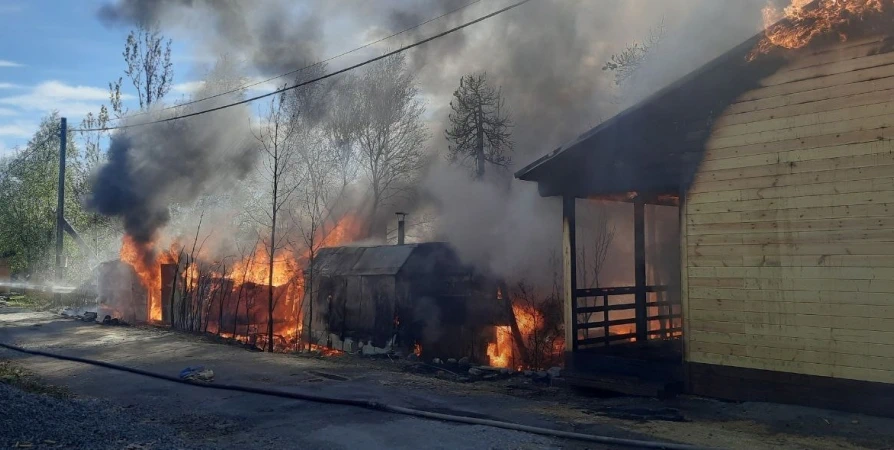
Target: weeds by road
column 19, row 377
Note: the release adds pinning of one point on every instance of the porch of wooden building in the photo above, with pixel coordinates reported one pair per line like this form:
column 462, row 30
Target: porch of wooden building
column 626, row 339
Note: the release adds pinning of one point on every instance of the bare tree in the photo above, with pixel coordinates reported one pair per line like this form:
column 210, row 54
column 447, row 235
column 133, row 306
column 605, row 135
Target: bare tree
column 479, row 125
column 593, row 252
column 275, row 136
column 321, row 163
column 318, row 196
column 149, row 68
column 626, row 62
column 341, row 127
column 390, row 130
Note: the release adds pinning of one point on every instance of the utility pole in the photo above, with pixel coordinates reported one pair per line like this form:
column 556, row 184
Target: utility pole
column 60, row 205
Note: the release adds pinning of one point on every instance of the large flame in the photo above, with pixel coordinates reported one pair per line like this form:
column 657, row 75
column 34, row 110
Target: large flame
column 805, row 20
column 501, row 352
column 255, row 268
column 145, row 261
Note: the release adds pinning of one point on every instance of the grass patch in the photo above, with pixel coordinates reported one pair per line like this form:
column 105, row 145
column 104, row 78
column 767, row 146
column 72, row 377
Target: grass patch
column 21, row 378
column 22, row 301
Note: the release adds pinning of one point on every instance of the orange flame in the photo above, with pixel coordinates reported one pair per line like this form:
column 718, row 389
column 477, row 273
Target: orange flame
column 143, row 258
column 347, row 229
column 417, row 349
column 529, row 321
column 805, row 20
column 499, row 353
column 256, row 267
column 287, row 274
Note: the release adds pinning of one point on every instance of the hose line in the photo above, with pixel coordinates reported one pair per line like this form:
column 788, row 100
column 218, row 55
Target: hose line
column 369, row 404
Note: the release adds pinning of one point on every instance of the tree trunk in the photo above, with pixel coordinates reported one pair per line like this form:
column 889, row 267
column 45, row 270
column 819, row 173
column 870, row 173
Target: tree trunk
column 479, row 147
column 270, row 285
column 310, row 299
column 173, row 291
column 220, row 288
column 238, row 301
column 272, row 248
column 513, row 324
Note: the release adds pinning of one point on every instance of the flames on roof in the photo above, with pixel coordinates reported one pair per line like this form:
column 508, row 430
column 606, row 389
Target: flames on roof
column 802, row 21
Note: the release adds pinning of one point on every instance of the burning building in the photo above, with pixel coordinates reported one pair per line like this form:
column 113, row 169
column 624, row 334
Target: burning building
column 779, row 156
column 406, row 298
column 120, row 293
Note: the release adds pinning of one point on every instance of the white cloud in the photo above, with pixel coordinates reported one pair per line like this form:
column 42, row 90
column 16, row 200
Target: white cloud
column 10, row 86
column 6, row 112
column 6, row 63
column 69, row 100
column 18, row 129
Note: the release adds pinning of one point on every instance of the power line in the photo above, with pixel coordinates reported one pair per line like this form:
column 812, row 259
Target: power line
column 320, row 78
column 30, row 148
column 247, row 86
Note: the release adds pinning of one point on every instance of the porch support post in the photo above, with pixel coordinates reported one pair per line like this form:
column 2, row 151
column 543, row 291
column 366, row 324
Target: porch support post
column 639, row 254
column 569, row 269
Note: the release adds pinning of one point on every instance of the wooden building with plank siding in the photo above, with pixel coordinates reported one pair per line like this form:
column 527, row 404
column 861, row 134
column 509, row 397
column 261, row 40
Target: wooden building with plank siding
column 783, row 171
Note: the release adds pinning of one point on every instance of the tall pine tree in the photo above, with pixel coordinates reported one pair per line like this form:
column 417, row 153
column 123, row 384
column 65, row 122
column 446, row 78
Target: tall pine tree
column 479, row 126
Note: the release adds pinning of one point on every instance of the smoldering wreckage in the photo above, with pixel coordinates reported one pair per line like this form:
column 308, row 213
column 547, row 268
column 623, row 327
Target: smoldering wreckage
column 417, row 301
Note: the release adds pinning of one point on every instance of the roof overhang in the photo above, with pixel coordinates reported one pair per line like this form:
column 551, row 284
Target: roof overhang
column 657, row 145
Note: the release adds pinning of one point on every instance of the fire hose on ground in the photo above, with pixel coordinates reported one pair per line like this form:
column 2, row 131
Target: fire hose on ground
column 368, row 404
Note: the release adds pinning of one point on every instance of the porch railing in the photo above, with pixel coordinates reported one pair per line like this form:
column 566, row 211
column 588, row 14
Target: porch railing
column 618, row 330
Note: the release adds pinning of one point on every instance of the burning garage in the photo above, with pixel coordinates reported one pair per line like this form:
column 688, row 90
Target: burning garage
column 779, row 157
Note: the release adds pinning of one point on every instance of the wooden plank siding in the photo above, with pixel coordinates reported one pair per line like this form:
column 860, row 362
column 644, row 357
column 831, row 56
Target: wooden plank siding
column 788, row 226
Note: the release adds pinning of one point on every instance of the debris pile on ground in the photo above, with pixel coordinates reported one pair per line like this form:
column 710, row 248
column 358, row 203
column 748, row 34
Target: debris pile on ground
column 109, row 320
column 198, row 373
column 462, row 370
column 86, row 314
column 39, row 421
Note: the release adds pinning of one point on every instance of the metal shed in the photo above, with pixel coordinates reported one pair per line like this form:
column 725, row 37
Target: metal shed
column 402, row 298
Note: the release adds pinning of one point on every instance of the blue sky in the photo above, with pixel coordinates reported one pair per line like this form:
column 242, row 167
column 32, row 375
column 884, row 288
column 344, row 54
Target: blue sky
column 55, row 55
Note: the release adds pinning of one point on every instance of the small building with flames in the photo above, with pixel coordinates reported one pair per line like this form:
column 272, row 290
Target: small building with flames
column 781, row 162
column 403, row 298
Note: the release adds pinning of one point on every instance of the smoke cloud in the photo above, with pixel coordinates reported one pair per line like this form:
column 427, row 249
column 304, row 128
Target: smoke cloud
column 547, row 56
column 274, row 36
column 151, row 167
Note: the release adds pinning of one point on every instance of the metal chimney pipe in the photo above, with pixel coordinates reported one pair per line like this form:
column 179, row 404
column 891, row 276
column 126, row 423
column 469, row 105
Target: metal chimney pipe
column 401, row 228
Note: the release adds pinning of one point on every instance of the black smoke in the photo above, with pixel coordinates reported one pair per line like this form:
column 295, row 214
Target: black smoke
column 154, row 166
column 273, row 36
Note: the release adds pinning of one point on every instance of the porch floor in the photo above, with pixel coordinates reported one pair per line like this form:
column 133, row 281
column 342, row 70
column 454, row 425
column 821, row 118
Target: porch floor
column 654, row 368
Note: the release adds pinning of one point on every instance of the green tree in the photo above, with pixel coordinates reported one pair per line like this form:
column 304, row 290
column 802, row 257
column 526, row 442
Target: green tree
column 28, row 183
column 149, row 68
column 479, row 126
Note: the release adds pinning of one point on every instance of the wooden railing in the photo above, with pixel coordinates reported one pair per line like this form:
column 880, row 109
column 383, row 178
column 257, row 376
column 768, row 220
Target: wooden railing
column 608, row 327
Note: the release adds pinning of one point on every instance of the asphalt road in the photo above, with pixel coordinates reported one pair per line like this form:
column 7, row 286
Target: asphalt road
column 219, row 419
